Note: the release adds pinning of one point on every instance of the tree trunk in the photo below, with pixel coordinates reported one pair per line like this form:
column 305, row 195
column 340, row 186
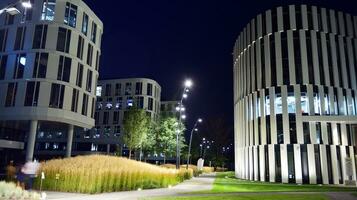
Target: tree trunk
column 164, row 159
column 129, row 153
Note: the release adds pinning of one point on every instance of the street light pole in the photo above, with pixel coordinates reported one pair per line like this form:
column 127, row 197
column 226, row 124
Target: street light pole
column 189, row 146
column 188, row 84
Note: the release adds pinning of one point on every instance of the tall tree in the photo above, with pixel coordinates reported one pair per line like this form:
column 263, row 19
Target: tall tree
column 136, row 126
column 149, row 142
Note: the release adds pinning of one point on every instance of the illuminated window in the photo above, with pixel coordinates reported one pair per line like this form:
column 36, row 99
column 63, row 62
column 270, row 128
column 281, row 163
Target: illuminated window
column 267, row 105
column 317, row 104
column 119, row 103
column 129, row 102
column 70, row 16
column 98, row 92
column 291, row 103
column 48, row 10
column 304, row 103
column 278, row 104
column 20, row 66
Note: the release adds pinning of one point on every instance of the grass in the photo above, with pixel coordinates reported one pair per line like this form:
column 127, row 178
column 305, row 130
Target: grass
column 196, row 172
column 11, row 191
column 231, row 184
column 98, row 173
column 250, row 197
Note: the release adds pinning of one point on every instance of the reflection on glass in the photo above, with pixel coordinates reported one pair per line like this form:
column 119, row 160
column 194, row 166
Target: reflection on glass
column 327, row 104
column 267, row 105
column 278, row 104
column 317, row 105
column 304, row 103
column 291, row 103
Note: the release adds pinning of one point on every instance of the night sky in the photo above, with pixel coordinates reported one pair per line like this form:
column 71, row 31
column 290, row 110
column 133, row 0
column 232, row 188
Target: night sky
column 170, row 40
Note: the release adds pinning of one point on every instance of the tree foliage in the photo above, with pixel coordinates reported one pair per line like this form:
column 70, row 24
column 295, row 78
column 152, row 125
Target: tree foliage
column 165, row 136
column 136, row 127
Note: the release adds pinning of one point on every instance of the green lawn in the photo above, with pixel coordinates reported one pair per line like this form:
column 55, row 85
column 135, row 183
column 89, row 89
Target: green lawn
column 251, row 197
column 231, row 184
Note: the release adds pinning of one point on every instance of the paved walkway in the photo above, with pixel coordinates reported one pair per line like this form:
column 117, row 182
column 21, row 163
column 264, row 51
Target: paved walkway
column 202, row 183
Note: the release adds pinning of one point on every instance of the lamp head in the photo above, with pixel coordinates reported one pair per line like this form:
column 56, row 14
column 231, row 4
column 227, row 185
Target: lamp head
column 199, row 120
column 188, row 83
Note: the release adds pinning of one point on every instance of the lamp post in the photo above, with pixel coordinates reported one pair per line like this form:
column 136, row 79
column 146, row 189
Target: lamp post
column 12, row 10
column 199, row 120
column 188, row 84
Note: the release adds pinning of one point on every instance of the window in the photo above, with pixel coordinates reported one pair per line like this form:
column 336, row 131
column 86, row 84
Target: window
column 40, row 66
column 20, row 66
column 57, row 94
column 116, row 117
column 140, row 102
column 127, row 88
column 116, row 131
column 94, row 32
column 149, row 89
column 98, row 92
column 89, row 80
column 80, row 47
column 138, row 88
column 278, row 104
column 291, row 163
column 97, row 61
column 304, row 164
column 291, row 103
column 85, row 105
column 48, row 10
column 304, row 103
column 109, row 104
column 129, row 102
column 63, row 40
column 75, row 96
column 93, row 108
column 119, row 104
column 108, row 90
column 11, row 95
column 90, row 55
column 32, row 91
column 85, row 24
column 70, row 15
column 9, row 19
column 150, row 104
column 106, row 118
column 3, row 62
column 317, row 105
column 64, row 69
column 3, row 38
column 79, row 75
column 40, row 36
column 297, row 57
column 277, row 163
column 20, row 38
column 117, row 89
column 306, row 131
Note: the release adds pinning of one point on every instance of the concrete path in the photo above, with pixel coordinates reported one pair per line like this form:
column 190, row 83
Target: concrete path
column 202, row 183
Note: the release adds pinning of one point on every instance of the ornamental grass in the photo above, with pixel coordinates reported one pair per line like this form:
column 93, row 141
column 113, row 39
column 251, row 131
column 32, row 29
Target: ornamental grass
column 98, row 174
column 194, row 168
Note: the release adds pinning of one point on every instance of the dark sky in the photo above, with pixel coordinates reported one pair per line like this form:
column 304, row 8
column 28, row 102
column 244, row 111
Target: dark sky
column 169, row 40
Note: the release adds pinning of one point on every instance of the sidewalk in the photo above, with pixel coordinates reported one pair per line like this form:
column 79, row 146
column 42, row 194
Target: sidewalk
column 203, row 182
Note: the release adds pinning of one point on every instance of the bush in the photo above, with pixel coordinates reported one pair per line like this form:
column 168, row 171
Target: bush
column 97, row 174
column 11, row 191
column 195, row 171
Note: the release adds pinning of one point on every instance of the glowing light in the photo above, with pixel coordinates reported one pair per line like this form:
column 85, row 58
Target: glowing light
column 183, row 116
column 26, row 4
column 185, row 95
column 199, row 120
column 188, row 83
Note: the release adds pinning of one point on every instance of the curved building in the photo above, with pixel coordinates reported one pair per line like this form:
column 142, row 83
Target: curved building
column 295, row 96
column 48, row 72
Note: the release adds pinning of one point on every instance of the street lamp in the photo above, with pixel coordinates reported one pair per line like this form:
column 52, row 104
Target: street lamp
column 187, row 84
column 12, row 10
column 199, row 120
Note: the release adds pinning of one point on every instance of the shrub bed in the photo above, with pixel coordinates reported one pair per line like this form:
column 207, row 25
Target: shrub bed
column 11, row 191
column 98, row 173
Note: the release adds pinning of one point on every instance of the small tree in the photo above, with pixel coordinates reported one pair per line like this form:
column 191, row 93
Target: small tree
column 149, row 142
column 165, row 133
column 136, row 125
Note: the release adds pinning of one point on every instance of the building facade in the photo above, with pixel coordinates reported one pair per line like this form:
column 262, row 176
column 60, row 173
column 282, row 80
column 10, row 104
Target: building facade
column 168, row 109
column 295, row 96
column 49, row 60
column 114, row 98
